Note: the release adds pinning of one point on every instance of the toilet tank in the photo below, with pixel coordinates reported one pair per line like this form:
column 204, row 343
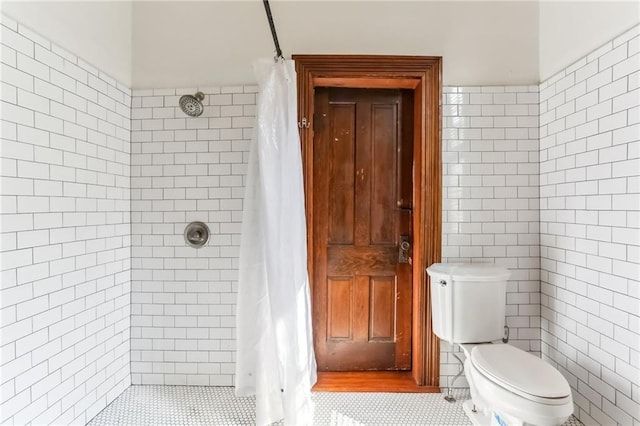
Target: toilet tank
column 468, row 301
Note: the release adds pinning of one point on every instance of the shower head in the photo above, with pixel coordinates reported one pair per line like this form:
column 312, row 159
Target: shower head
column 192, row 104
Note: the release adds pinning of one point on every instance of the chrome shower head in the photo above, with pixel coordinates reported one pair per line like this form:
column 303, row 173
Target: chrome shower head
column 192, row 104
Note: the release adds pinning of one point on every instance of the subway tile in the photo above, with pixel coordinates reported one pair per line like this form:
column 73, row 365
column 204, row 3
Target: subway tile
column 600, row 79
column 527, row 98
column 505, row 98
column 611, row 90
column 33, row 102
column 613, row 121
column 17, row 78
column 468, row 110
column 613, row 57
column 28, row 204
column 62, row 80
column 47, row 90
column 16, row 41
column 633, row 115
column 567, row 81
column 75, row 72
column 484, row 98
column 633, row 46
column 74, row 101
column 49, row 58
column 586, row 71
column 599, row 110
column 30, row 66
column 586, row 100
column 58, row 110
column 152, row 101
column 626, row 100
column 17, row 114
column 8, row 57
column 626, row 67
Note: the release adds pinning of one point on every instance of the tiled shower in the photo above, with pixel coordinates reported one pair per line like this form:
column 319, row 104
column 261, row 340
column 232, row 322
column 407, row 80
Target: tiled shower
column 100, row 292
column 186, row 169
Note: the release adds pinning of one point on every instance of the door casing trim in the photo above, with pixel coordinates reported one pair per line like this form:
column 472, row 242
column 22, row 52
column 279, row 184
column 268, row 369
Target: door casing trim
column 423, row 75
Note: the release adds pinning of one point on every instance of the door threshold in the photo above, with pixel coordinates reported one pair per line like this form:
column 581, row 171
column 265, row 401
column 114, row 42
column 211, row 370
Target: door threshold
column 370, row 381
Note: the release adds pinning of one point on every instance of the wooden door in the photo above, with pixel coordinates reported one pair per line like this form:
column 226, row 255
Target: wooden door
column 363, row 171
column 422, row 76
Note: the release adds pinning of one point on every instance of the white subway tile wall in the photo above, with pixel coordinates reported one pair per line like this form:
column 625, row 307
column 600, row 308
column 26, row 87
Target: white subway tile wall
column 186, row 169
column 490, row 200
column 590, row 229
column 64, row 219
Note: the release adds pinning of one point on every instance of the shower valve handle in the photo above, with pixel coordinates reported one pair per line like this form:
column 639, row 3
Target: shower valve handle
column 196, row 236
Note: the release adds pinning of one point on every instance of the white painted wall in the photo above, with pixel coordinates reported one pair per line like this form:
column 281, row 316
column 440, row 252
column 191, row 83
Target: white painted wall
column 214, row 43
column 151, row 44
column 99, row 32
column 186, row 44
column 571, row 29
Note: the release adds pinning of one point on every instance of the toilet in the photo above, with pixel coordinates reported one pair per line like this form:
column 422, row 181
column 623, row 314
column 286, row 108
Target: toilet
column 508, row 385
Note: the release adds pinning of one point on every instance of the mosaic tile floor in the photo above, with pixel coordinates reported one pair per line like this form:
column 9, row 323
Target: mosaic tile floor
column 200, row 405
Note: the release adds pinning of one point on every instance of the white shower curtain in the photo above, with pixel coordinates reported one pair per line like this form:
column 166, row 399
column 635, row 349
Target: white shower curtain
column 275, row 359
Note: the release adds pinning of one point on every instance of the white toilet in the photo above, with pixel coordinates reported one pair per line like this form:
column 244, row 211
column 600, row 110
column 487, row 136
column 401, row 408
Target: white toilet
column 508, row 385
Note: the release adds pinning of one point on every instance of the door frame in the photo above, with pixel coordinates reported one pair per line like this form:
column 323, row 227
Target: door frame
column 423, row 75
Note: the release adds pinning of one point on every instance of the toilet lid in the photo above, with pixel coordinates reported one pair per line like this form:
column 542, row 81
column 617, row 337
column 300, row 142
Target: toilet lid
column 519, row 371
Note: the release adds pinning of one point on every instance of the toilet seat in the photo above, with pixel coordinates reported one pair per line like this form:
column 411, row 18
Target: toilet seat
column 521, row 373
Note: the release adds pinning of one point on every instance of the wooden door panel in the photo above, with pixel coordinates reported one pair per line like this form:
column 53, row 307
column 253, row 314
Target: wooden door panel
column 343, row 260
column 341, row 176
column 362, row 296
column 358, row 356
column 383, row 167
column 339, row 308
column 382, row 309
column 361, row 311
column 363, row 168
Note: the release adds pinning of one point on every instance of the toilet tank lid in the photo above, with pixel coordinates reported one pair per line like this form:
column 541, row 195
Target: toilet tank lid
column 470, row 271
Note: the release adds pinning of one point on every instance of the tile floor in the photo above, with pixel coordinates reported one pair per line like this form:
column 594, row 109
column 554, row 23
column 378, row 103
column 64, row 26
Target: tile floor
column 194, row 405
column 201, row 405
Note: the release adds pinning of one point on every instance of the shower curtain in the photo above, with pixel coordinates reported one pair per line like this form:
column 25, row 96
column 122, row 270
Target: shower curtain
column 274, row 358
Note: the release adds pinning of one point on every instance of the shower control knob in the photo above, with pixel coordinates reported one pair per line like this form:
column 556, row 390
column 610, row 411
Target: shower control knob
column 196, row 234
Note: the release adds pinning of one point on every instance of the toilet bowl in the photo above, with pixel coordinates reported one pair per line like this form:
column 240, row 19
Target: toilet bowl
column 514, row 386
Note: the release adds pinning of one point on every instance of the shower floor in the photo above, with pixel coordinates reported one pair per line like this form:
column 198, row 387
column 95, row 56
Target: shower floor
column 201, row 405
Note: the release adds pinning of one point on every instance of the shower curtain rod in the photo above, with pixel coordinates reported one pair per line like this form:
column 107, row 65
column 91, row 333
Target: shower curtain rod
column 273, row 30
